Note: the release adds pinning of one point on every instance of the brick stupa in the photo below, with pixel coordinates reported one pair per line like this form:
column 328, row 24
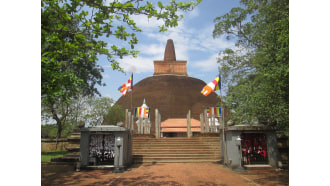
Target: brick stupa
column 170, row 90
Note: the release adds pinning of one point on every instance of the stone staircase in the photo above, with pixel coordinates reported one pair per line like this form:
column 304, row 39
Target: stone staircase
column 176, row 150
column 73, row 149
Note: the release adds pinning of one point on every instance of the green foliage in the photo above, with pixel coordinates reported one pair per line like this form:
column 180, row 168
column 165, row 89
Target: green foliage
column 90, row 110
column 48, row 155
column 50, row 130
column 256, row 72
column 75, row 33
column 95, row 109
column 115, row 114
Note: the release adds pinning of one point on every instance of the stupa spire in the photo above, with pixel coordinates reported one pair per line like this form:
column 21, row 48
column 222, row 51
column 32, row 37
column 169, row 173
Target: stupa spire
column 169, row 54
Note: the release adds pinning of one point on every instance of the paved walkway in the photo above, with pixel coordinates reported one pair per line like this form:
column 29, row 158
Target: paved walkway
column 166, row 174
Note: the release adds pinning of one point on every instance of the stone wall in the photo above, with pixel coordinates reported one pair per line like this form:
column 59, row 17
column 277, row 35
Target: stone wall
column 49, row 144
column 283, row 149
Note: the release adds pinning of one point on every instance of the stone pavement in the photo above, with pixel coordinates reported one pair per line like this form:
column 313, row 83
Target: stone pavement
column 166, row 174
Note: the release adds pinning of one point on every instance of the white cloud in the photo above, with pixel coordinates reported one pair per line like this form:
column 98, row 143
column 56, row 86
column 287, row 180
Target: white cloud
column 106, row 76
column 140, row 64
column 207, row 64
column 187, row 40
column 145, row 23
column 194, row 13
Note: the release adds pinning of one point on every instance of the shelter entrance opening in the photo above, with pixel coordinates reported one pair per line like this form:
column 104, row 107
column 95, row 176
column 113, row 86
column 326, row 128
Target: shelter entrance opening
column 254, row 148
column 101, row 149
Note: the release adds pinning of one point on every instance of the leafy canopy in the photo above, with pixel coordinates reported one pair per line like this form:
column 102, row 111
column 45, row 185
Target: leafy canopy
column 75, row 33
column 256, row 72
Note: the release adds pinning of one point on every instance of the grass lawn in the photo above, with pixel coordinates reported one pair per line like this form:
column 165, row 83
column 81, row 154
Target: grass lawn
column 48, row 155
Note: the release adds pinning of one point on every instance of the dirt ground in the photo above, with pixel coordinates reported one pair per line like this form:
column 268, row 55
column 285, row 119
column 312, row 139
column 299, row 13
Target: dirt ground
column 164, row 174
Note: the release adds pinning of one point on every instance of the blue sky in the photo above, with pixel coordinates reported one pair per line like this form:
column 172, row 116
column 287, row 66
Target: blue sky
column 193, row 42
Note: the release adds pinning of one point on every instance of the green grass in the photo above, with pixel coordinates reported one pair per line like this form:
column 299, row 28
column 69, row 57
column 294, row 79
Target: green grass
column 48, row 155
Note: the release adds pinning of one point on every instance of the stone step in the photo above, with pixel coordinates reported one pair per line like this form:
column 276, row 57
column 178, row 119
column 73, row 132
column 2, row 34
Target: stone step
column 160, row 151
column 151, row 161
column 65, row 159
column 178, row 143
column 183, row 151
column 258, row 167
column 174, row 146
column 74, row 139
column 179, row 156
column 167, row 141
column 73, row 149
column 176, row 150
column 199, row 146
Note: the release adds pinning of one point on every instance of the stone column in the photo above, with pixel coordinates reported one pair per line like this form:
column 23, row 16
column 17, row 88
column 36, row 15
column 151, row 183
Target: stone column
column 156, row 123
column 206, row 119
column 140, row 127
column 132, row 122
column 202, row 122
column 149, row 129
column 128, row 119
column 145, row 126
column 212, row 124
column 189, row 134
column 126, row 125
column 159, row 123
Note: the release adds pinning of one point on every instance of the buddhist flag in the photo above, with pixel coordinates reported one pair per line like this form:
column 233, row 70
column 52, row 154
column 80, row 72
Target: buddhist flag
column 213, row 111
column 212, row 86
column 140, row 112
column 126, row 87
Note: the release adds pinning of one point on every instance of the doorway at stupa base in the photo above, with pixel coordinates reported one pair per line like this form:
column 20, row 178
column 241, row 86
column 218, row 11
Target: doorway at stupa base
column 173, row 135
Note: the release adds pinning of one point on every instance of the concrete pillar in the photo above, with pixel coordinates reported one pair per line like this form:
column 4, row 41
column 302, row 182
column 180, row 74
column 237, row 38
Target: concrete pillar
column 119, row 153
column 145, row 127
column 273, row 155
column 202, row 122
column 156, row 123
column 132, row 122
column 140, row 126
column 159, row 121
column 149, row 126
column 84, row 148
column 212, row 124
column 126, row 125
column 189, row 133
column 128, row 120
column 206, row 122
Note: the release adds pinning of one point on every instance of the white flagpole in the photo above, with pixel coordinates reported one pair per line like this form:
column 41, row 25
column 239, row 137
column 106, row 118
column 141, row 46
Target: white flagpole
column 132, row 92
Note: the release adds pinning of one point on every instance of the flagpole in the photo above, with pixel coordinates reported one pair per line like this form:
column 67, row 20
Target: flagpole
column 132, row 92
column 223, row 121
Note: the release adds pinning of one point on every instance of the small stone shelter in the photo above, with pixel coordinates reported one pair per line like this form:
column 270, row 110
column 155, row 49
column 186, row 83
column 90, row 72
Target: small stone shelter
column 107, row 146
column 247, row 146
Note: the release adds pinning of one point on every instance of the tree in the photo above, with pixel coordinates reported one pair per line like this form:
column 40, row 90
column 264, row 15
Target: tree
column 75, row 33
column 256, row 72
column 83, row 110
column 114, row 115
column 96, row 109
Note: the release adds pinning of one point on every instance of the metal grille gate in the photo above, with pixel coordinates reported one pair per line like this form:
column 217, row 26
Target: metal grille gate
column 102, row 149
